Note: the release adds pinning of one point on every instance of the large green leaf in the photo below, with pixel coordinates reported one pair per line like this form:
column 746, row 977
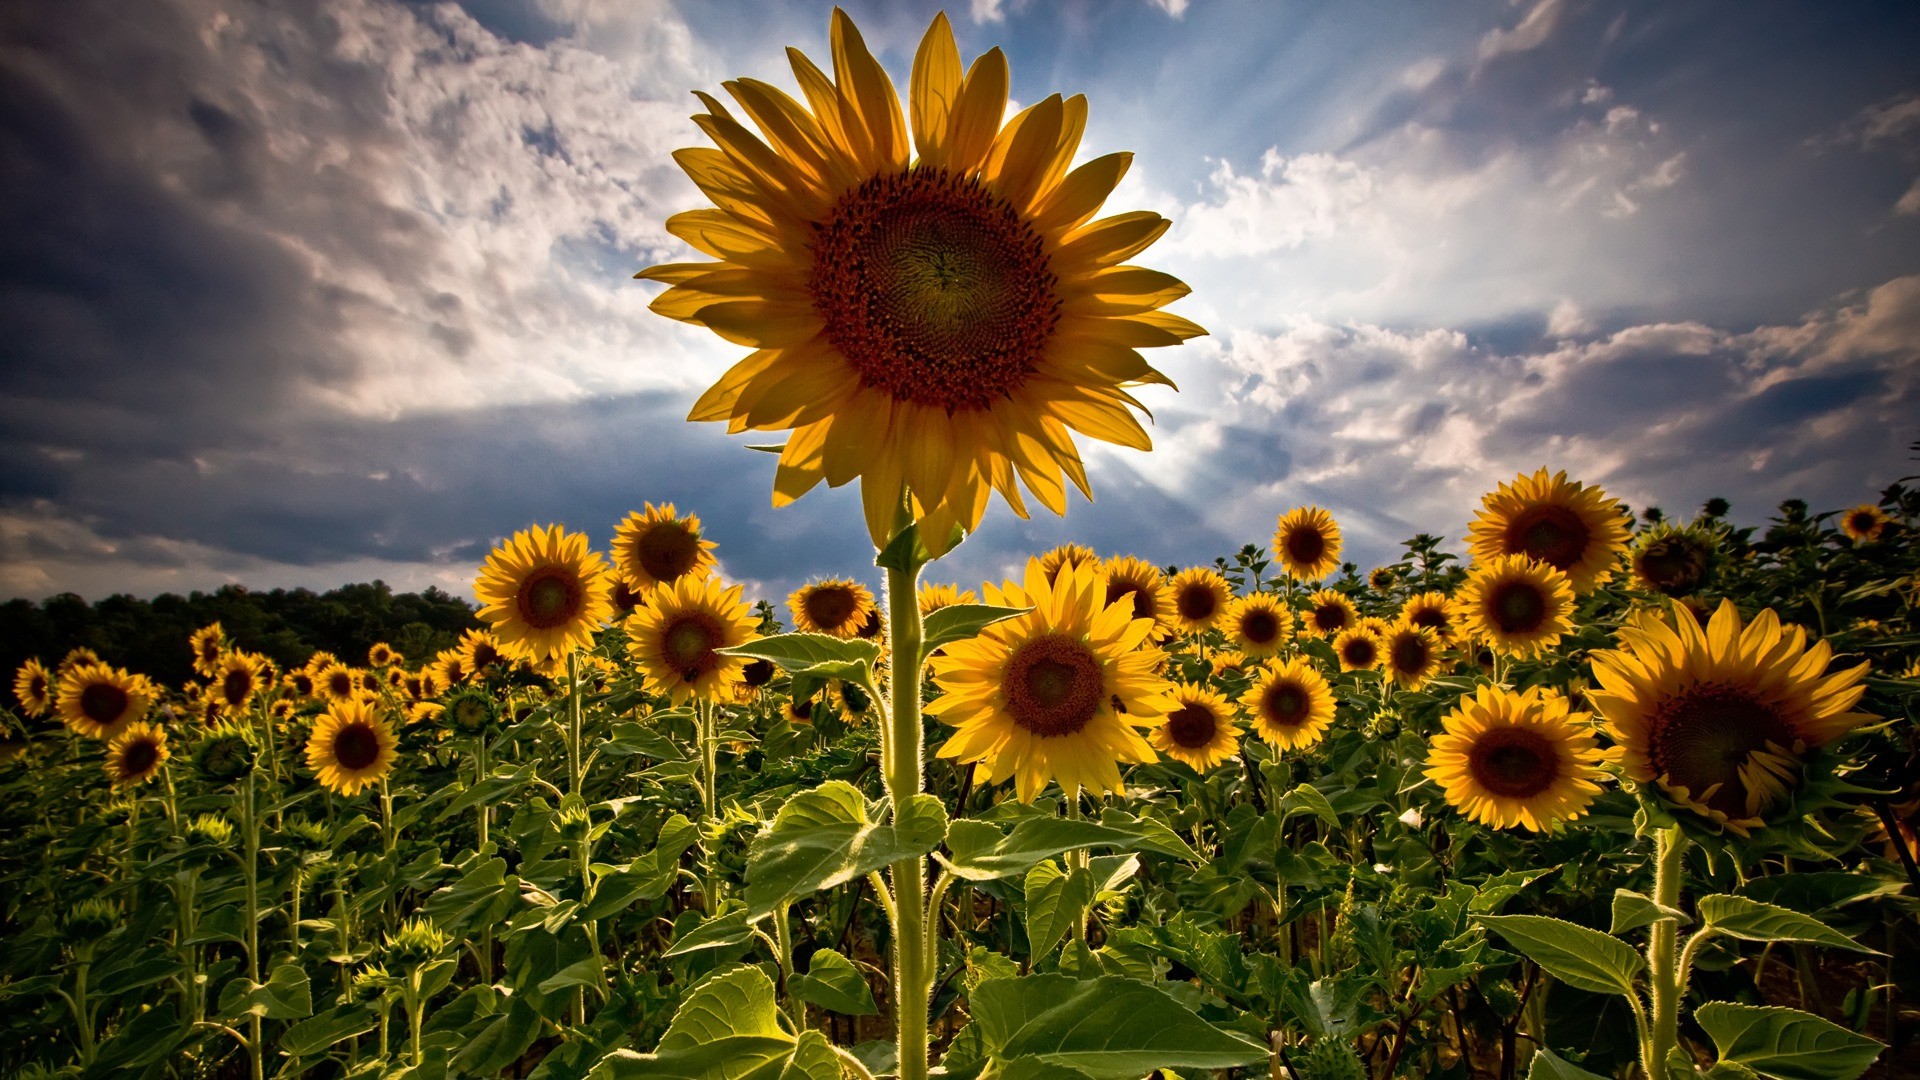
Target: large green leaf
column 284, row 996
column 1751, row 920
column 719, row 932
column 502, row 1042
column 728, row 1029
column 1571, row 953
column 143, row 1040
column 834, row 984
column 314, row 1036
column 1548, row 1065
column 824, row 837
column 799, row 652
column 1055, row 901
column 1306, row 799
column 1633, row 910
column 1785, row 1044
column 981, row 852
column 1109, row 1027
column 484, row 895
column 647, row 877
column 958, row 622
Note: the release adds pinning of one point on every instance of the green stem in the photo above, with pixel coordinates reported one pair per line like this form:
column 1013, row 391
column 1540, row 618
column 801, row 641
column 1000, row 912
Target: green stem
column 708, row 739
column 251, row 869
column 1663, row 963
column 783, row 934
column 416, row 1010
column 82, row 1015
column 901, row 756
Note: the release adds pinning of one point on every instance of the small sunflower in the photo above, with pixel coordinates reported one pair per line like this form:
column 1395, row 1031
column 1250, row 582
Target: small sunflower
column 380, row 654
column 236, row 679
column 1573, row 527
column 1307, row 543
column 76, row 657
column 470, row 711
column 799, row 713
column 1430, row 609
column 1330, row 613
column 1507, row 759
column 352, row 748
column 1258, row 625
column 1232, row 662
column 1382, row 578
column 1671, row 561
column 1199, row 731
column 1067, row 555
column 656, row 547
column 481, row 650
column 136, row 754
column 853, row 701
column 1722, row 718
column 838, row 607
column 299, row 683
column 1291, row 705
column 757, row 673
column 450, row 669
column 676, row 633
column 100, row 701
column 207, row 645
column 1056, row 693
column 370, row 681
column 1138, row 581
column 1517, row 605
column 1200, row 598
column 337, row 682
column 1411, row 654
column 1864, row 523
column 320, row 661
column 33, row 686
column 545, row 593
column 1359, row 649
column 934, row 597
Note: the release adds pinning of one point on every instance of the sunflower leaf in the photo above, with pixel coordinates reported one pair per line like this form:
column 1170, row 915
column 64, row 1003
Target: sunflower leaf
column 826, row 837
column 981, row 852
column 1633, row 910
column 1548, row 1065
column 728, row 1029
column 958, row 622
column 1110, row 1027
column 834, row 984
column 1751, row 920
column 1055, row 901
column 1572, row 953
column 795, row 653
column 1785, row 1044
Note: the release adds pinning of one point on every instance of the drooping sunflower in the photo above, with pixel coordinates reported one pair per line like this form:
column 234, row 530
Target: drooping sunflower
column 1864, row 523
column 33, row 686
column 338, row 682
column 1258, row 625
column 1291, row 705
column 657, row 547
column 1507, row 759
column 931, row 309
column 1330, row 613
column 237, row 679
column 1573, row 527
column 1671, row 561
column 352, row 747
column 676, row 632
column 1052, row 562
column 853, row 701
column 1145, row 586
column 1410, row 654
column 1057, row 693
column 934, row 597
column 1359, row 649
column 545, row 593
column 1200, row 598
column 100, row 701
column 1518, row 605
column 838, row 607
column 1307, row 543
column 1722, row 718
column 136, row 754
column 1381, row 578
column 380, row 654
column 1431, row 610
column 207, row 645
column 1199, row 730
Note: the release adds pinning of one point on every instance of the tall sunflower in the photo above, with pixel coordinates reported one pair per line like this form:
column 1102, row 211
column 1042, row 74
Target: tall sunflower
column 1307, row 542
column 337, row 682
column 1381, row 578
column 380, row 654
column 1517, row 605
column 1507, row 759
column 1056, row 693
column 207, row 645
column 1200, row 598
column 1258, row 625
column 1573, row 527
column 1199, row 730
column 1864, row 523
column 136, row 754
column 299, row 683
column 676, row 632
column 450, row 668
column 934, row 309
column 1722, row 718
column 33, row 686
column 1330, row 613
column 656, row 547
column 100, row 701
column 1410, row 654
column 1359, row 649
column 1291, row 705
column 1139, row 582
column 352, row 747
column 838, row 607
column 545, row 592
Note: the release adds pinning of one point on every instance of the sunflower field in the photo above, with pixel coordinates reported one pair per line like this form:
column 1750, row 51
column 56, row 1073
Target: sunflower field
column 1599, row 795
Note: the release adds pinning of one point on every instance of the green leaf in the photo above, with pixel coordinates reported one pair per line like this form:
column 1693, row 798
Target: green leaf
column 824, row 837
column 798, row 652
column 1571, row 953
column 1109, row 1027
column 958, row 622
column 647, row 877
column 904, row 552
column 1632, row 910
column 141, row 1041
column 1751, row 920
column 834, row 984
column 1548, row 1065
column 493, row 789
column 484, row 895
column 1785, row 1044
column 1501, row 888
column 589, row 972
column 719, row 932
column 645, row 740
column 310, row 1037
column 1055, row 901
column 284, row 996
column 728, row 1029
column 1811, row 892
column 1306, row 799
column 981, row 852
column 500, row 1043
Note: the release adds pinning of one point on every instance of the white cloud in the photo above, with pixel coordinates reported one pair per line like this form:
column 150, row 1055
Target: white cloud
column 1530, row 33
column 986, row 11
column 1290, row 201
column 1174, row 8
column 1566, row 320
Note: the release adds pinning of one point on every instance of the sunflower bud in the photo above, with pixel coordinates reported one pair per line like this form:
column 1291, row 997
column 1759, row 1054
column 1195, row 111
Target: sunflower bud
column 89, row 921
column 470, row 712
column 417, row 941
column 225, row 755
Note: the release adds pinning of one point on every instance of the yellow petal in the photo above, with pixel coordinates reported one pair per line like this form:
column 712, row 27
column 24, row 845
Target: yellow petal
column 934, row 90
column 867, row 98
column 1110, row 241
column 975, row 119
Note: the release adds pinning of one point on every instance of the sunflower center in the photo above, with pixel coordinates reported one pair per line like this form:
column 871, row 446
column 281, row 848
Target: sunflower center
column 757, row 673
column 1361, row 652
column 1517, row 607
column 688, row 643
column 871, row 628
column 340, row 685
column 1410, row 654
column 356, row 747
column 469, row 714
column 667, row 551
column 549, row 597
column 138, row 756
column 236, row 687
column 1260, row 627
column 485, row 655
column 302, row 684
column 1705, row 735
column 1196, row 603
column 1142, row 603
column 1553, row 534
column 103, row 703
column 1860, row 522
column 1192, row 726
column 935, row 291
column 830, row 606
column 1286, row 704
column 1433, row 618
column 1305, row 546
column 1514, row 762
column 1053, row 685
column 803, row 710
column 1673, row 565
column 1329, row 617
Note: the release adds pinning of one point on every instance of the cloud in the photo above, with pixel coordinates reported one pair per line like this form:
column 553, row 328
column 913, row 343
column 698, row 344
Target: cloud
column 1173, row 8
column 987, row 11
column 1290, row 201
column 1530, row 33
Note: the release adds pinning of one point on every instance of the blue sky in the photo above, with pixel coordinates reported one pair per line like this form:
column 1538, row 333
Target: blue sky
column 299, row 294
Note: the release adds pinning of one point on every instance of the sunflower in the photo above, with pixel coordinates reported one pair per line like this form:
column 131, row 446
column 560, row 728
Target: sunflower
column 207, row 643
column 1232, row 662
column 480, row 649
column 1330, row 613
column 1381, row 578
column 1066, row 555
column 853, row 701
column 320, row 661
column 370, row 681
column 1200, row 596
column 1056, row 693
column 757, row 673
column 1138, row 581
column 934, row 597
column 676, row 632
column 1864, row 523
column 381, row 654
column 545, row 593
column 338, row 682
column 237, row 679
column 1517, row 605
column 136, row 754
column 933, row 311
column 100, row 701
column 1307, row 543
column 1507, row 759
column 1722, row 719
column 449, row 669
column 797, row 712
column 1258, row 625
column 1670, row 561
column 1359, row 649
column 351, row 748
column 1570, row 526
column 79, row 656
column 470, row 711
column 1199, row 731
column 839, row 607
column 1292, row 705
column 656, row 547
column 299, row 683
column 34, row 687
column 1411, row 654
column 1431, row 610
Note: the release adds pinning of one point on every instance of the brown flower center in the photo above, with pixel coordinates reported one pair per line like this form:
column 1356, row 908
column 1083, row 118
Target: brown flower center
column 340, row 684
column 138, row 756
column 1553, row 534
column 550, row 596
column 1053, row 685
column 935, row 290
column 1861, row 522
column 1196, row 603
column 1673, row 565
column 486, row 655
column 1305, row 545
column 104, row 703
column 1142, row 600
column 1517, row 607
column 1513, row 762
column 757, row 673
column 1411, row 654
column 1329, row 617
column 356, row 746
column 1192, row 726
column 237, row 687
column 1260, row 627
column 1360, row 652
column 668, row 551
column 1432, row 616
column 688, row 641
column 1701, row 738
column 302, row 683
column 1286, row 704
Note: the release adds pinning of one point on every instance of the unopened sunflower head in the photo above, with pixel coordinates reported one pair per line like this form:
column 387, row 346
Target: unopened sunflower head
column 1673, row 561
column 226, row 753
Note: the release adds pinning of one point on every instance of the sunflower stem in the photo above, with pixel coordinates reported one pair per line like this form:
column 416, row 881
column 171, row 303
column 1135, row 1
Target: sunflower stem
column 1663, row 961
column 251, row 867
column 902, row 755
